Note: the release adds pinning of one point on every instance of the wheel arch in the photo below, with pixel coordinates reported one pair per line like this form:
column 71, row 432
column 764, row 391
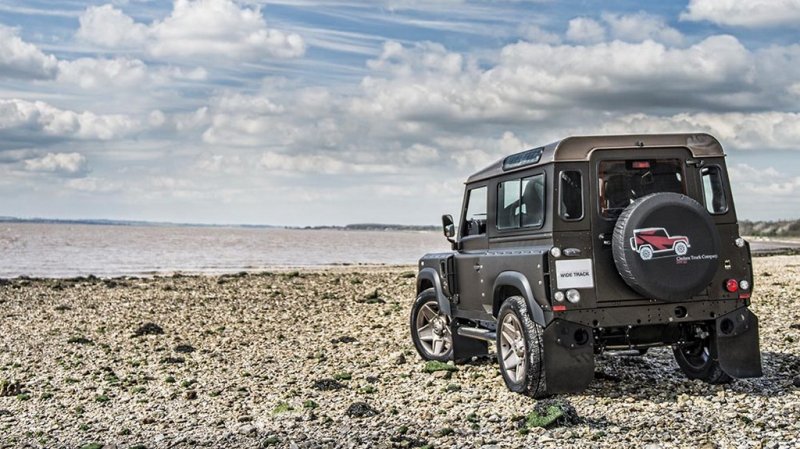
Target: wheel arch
column 429, row 278
column 513, row 283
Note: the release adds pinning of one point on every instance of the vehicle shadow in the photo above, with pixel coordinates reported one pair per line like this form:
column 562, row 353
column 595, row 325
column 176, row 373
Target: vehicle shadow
column 657, row 377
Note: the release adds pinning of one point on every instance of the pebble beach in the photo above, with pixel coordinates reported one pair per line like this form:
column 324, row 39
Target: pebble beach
column 323, row 358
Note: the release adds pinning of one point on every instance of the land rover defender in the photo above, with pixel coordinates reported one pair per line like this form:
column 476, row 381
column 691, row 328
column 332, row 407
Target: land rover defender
column 591, row 244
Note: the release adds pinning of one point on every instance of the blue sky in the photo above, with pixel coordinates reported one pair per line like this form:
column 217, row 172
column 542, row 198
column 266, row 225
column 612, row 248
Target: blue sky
column 305, row 112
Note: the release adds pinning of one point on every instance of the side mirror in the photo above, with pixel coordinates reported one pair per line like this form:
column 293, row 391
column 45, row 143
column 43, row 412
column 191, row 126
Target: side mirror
column 448, row 226
column 449, row 229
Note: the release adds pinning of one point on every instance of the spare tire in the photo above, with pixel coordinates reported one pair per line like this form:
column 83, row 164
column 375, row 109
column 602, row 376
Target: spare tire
column 666, row 246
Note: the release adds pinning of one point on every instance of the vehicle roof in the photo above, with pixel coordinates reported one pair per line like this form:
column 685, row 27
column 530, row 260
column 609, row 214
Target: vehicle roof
column 579, row 148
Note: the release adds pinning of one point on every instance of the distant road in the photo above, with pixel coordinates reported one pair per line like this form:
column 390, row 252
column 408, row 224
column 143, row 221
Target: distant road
column 774, row 247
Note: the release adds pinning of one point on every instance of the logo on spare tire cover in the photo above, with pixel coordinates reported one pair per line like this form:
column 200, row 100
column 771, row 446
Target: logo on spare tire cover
column 666, row 246
column 657, row 242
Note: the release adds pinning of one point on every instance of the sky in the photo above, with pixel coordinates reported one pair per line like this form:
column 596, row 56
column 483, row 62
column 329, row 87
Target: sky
column 307, row 112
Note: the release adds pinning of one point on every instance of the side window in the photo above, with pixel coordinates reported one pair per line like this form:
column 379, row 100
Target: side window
column 571, row 191
column 520, row 203
column 508, row 207
column 475, row 218
column 714, row 190
column 533, row 201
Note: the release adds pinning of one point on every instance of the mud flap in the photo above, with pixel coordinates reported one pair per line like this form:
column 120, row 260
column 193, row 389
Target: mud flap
column 568, row 357
column 737, row 344
column 465, row 348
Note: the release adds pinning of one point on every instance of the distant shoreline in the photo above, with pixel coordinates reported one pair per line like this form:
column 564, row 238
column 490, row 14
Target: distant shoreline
column 106, row 222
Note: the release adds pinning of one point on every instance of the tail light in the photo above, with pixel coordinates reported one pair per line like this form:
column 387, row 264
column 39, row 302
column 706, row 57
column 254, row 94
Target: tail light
column 731, row 285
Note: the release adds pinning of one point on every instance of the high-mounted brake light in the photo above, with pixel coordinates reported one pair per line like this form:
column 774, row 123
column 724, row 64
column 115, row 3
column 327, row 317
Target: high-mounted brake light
column 731, row 285
column 641, row 164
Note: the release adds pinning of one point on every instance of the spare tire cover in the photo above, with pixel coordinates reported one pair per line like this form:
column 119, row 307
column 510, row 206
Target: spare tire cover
column 666, row 246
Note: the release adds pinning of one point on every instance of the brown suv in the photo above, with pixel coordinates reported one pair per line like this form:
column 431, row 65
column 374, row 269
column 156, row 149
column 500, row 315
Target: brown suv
column 588, row 244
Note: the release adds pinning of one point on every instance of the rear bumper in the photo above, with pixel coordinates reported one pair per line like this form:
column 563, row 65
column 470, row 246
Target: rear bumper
column 648, row 314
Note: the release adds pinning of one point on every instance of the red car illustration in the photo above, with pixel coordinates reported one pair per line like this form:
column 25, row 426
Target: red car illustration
column 650, row 241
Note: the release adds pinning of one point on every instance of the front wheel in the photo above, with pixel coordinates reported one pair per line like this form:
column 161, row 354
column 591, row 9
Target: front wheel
column 698, row 360
column 646, row 253
column 520, row 351
column 430, row 329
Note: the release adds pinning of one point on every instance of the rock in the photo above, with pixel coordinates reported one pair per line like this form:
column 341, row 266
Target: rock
column 173, row 360
column 796, row 381
column 10, row 388
column 327, row 385
column 442, row 374
column 148, row 329
column 247, row 429
column 360, row 410
column 191, row 395
column 400, row 359
column 344, row 339
column 184, row 349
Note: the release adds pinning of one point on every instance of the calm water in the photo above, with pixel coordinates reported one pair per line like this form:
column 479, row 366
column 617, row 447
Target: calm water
column 61, row 250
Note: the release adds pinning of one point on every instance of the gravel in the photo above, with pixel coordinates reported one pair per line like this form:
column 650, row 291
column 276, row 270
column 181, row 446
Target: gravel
column 267, row 350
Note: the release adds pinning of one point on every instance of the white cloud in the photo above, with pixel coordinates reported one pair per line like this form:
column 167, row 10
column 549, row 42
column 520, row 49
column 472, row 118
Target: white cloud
column 585, row 30
column 739, row 13
column 39, row 122
column 108, row 27
column 20, row 59
column 91, row 184
column 742, row 131
column 194, row 29
column 641, row 26
column 533, row 33
column 766, row 190
column 319, row 164
column 59, row 163
column 93, row 74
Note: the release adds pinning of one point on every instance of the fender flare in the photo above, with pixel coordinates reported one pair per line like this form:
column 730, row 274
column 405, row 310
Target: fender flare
column 520, row 282
column 431, row 275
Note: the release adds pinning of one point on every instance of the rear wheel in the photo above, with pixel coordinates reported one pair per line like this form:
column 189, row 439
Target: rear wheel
column 520, row 349
column 698, row 360
column 430, row 329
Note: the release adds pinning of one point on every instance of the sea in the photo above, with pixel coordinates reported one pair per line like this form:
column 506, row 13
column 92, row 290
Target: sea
column 69, row 250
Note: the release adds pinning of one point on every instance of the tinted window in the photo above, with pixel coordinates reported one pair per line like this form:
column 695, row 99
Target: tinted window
column 714, row 190
column 571, row 191
column 475, row 219
column 520, row 203
column 622, row 182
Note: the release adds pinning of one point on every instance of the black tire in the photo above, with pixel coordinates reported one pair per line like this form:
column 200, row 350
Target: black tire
column 426, row 301
column 671, row 274
column 531, row 381
column 698, row 360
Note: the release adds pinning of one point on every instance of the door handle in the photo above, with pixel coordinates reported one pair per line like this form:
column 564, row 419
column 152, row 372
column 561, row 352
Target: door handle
column 477, row 267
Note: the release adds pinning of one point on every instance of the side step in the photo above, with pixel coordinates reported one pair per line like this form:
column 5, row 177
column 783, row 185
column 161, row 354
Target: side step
column 477, row 333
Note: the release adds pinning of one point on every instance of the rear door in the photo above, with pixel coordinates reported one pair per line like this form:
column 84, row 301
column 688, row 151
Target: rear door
column 622, row 177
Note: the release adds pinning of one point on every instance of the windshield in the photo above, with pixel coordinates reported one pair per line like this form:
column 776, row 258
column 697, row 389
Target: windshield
column 622, row 182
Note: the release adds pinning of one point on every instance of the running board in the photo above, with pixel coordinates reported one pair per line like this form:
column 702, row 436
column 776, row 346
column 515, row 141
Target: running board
column 477, row 333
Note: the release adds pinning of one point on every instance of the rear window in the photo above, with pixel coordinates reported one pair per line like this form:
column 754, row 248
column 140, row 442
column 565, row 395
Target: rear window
column 622, row 182
column 571, row 191
column 714, row 190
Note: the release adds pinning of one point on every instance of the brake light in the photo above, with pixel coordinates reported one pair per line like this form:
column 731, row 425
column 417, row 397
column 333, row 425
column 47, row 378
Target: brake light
column 641, row 164
column 731, row 285
column 559, row 308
